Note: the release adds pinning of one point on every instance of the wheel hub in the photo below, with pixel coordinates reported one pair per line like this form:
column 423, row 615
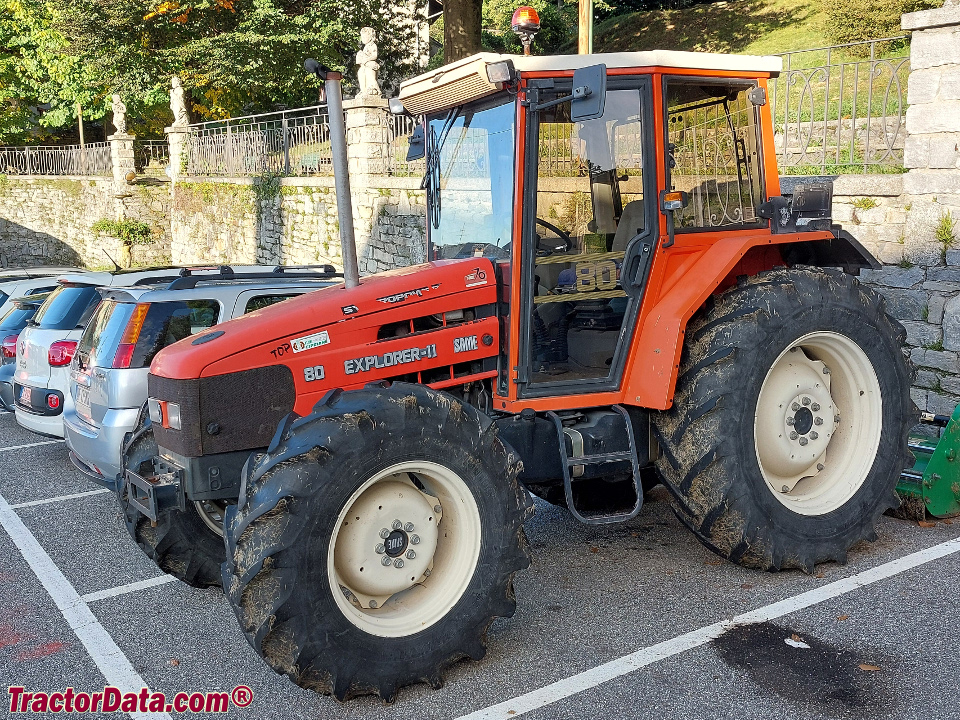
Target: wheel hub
column 374, row 554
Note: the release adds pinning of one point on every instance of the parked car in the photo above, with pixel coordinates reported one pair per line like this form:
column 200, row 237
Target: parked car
column 108, row 384
column 15, row 320
column 46, row 346
column 20, row 282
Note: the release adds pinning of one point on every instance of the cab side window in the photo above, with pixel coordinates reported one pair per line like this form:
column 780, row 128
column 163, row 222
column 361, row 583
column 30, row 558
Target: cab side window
column 261, row 301
column 714, row 153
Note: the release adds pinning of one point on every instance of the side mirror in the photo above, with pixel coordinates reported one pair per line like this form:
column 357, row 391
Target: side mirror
column 417, row 148
column 589, row 93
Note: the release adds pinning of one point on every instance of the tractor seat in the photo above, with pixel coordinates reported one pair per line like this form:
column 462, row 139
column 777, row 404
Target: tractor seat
column 631, row 222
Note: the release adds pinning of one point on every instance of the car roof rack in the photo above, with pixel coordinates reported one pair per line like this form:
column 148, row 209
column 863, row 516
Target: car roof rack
column 188, row 280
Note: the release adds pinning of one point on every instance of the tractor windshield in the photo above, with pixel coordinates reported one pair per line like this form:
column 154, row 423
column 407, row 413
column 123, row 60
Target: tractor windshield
column 469, row 180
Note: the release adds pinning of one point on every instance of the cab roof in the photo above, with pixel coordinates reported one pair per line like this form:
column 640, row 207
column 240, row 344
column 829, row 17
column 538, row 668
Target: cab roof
column 466, row 79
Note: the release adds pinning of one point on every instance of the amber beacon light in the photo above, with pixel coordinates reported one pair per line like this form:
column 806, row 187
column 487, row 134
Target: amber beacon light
column 525, row 23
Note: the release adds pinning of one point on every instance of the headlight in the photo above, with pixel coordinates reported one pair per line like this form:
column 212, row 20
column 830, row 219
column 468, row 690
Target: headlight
column 165, row 414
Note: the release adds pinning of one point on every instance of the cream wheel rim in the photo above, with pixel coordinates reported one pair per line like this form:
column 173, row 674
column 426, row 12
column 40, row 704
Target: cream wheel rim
column 211, row 512
column 404, row 549
column 817, row 423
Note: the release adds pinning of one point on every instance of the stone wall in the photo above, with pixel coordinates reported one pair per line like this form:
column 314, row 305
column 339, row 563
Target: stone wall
column 293, row 221
column 48, row 220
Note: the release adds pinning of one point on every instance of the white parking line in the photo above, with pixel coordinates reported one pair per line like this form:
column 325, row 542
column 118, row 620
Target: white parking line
column 114, row 665
column 128, row 588
column 30, row 445
column 34, row 503
column 674, row 646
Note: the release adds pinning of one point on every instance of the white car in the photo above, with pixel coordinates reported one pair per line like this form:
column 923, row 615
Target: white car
column 15, row 283
column 47, row 345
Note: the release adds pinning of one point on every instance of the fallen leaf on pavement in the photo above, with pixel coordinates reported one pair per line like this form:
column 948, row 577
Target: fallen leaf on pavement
column 714, row 562
column 174, row 662
column 869, row 668
column 594, row 549
column 926, row 523
column 746, row 586
column 947, row 521
column 843, row 617
column 796, row 638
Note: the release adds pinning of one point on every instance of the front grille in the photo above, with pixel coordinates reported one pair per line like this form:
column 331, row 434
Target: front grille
column 225, row 413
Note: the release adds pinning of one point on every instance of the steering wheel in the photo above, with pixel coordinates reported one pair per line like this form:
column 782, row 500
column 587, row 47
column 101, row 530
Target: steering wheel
column 565, row 236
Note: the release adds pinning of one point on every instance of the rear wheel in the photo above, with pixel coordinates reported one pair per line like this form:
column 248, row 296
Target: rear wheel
column 187, row 545
column 789, row 425
column 377, row 541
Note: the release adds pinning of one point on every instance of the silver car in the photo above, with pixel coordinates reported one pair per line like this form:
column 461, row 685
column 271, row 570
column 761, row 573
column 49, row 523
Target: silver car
column 130, row 326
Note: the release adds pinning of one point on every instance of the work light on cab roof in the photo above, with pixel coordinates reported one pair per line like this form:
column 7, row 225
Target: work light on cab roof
column 525, row 23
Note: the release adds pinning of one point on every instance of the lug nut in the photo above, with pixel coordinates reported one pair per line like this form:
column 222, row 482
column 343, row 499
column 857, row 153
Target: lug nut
column 836, row 418
column 397, row 524
column 806, row 401
column 414, row 539
column 818, row 421
column 373, row 604
column 826, row 370
column 398, row 563
column 794, row 436
column 814, row 435
column 428, row 572
column 803, row 441
column 785, row 489
column 437, row 508
column 795, row 406
column 411, row 555
column 381, row 549
column 386, row 561
column 815, row 407
column 789, row 421
column 408, row 527
column 384, row 533
column 820, row 467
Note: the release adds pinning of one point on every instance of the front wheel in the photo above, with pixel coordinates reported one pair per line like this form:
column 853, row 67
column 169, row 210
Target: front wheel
column 187, row 545
column 789, row 426
column 377, row 541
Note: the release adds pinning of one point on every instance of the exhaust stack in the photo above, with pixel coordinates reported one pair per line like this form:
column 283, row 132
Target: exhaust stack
column 341, row 174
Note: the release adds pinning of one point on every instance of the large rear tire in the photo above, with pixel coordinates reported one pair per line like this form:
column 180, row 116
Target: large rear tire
column 187, row 545
column 789, row 425
column 376, row 541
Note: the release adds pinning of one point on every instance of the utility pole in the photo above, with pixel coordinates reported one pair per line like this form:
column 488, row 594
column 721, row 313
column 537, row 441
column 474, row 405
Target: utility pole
column 80, row 122
column 585, row 42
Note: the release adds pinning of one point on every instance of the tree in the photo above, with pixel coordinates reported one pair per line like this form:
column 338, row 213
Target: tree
column 461, row 28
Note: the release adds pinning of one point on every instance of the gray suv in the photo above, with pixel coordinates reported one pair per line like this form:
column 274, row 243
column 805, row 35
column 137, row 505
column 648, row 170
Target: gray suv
column 131, row 325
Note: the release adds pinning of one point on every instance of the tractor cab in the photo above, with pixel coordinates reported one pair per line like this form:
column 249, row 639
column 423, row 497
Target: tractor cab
column 568, row 173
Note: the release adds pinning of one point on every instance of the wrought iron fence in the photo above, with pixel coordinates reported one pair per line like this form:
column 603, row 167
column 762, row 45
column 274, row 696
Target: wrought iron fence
column 91, row 159
column 151, row 157
column 401, row 127
column 290, row 142
column 840, row 109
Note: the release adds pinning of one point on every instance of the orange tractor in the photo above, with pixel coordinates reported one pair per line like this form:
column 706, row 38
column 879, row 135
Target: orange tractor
column 617, row 294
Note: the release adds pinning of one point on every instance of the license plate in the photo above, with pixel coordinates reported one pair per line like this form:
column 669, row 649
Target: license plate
column 83, row 399
column 26, row 395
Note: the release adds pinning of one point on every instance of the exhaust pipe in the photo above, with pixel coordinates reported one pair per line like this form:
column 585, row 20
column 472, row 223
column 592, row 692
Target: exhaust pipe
column 341, row 174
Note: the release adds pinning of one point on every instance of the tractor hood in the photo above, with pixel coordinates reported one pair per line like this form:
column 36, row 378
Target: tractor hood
column 337, row 321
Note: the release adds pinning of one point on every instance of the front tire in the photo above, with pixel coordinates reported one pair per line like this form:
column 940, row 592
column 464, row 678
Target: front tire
column 376, row 541
column 185, row 544
column 789, row 424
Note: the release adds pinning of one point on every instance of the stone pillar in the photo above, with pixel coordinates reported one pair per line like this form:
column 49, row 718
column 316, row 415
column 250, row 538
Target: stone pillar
column 121, row 153
column 930, row 269
column 368, row 156
column 177, row 136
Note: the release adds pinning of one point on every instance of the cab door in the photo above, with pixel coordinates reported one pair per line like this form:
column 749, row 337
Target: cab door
column 590, row 226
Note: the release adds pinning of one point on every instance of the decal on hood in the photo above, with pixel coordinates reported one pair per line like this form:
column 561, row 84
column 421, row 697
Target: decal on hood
column 400, row 297
column 397, row 357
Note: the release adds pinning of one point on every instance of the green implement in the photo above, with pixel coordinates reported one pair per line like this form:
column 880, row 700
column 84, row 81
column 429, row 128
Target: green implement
column 932, row 485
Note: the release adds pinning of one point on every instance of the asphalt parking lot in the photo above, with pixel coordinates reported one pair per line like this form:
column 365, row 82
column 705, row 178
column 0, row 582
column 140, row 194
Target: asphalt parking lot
column 632, row 621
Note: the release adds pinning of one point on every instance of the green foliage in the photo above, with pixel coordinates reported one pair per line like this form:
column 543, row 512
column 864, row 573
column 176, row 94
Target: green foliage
column 849, row 21
column 904, row 263
column 936, row 346
column 865, row 203
column 132, row 232
column 945, row 232
column 234, row 57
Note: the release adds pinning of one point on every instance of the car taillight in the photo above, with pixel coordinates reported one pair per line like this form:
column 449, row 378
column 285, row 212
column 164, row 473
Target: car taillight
column 9, row 346
column 61, row 353
column 131, row 333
